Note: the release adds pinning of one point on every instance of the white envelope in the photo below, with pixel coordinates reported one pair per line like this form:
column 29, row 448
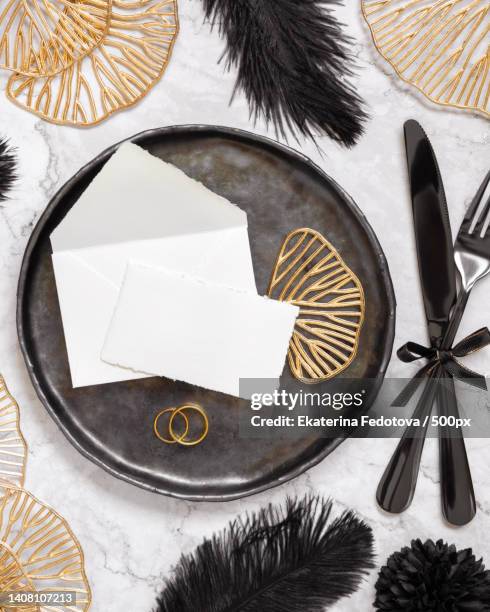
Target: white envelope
column 142, row 209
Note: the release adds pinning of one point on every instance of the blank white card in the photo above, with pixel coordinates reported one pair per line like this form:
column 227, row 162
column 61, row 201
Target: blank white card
column 183, row 328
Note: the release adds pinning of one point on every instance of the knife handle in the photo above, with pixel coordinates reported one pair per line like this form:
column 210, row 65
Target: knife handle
column 397, row 485
column 458, row 496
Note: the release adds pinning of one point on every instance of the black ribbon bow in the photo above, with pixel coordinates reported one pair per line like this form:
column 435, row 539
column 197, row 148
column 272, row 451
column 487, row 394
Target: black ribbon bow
column 446, row 359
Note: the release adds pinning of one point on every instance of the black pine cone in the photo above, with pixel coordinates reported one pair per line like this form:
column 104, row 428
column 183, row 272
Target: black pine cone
column 433, row 577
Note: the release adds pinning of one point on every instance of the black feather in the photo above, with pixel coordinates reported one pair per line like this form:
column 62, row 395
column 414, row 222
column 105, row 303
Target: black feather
column 278, row 560
column 293, row 59
column 7, row 168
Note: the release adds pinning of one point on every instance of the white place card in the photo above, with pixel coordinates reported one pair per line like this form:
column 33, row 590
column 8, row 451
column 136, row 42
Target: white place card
column 192, row 330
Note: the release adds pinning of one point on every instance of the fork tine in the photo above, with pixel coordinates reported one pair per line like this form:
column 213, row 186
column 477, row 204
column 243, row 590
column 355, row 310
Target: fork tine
column 472, row 211
column 483, row 217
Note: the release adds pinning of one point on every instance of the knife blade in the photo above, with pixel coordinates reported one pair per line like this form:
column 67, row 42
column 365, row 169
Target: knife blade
column 433, row 236
column 438, row 280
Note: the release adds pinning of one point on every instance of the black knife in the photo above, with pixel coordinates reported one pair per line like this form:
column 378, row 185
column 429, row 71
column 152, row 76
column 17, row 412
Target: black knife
column 438, row 278
column 432, row 231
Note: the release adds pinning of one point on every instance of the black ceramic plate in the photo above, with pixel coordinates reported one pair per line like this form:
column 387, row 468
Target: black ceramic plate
column 112, row 424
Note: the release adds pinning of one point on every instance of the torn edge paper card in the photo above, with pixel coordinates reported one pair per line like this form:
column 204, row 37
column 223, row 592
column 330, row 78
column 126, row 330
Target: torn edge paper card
column 138, row 208
column 202, row 333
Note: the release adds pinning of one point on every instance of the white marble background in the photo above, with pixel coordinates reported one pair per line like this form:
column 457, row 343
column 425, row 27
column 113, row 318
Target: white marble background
column 132, row 538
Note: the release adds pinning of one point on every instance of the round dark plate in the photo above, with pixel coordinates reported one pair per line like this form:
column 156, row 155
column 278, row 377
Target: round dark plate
column 280, row 190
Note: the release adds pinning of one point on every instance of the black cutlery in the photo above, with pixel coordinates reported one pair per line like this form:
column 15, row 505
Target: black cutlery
column 472, row 255
column 438, row 278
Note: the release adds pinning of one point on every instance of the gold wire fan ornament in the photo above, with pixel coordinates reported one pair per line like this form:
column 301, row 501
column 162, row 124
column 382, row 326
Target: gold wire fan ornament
column 309, row 273
column 13, row 578
column 119, row 72
column 44, row 37
column 39, row 554
column 13, row 448
column 38, row 546
column 442, row 47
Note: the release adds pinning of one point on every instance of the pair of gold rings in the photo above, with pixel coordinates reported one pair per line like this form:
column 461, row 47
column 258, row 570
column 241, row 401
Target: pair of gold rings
column 182, row 412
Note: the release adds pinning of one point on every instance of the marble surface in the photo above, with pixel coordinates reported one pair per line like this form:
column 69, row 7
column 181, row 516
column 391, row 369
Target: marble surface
column 132, row 538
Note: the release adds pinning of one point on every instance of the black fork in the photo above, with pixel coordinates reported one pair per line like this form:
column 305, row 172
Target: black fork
column 472, row 256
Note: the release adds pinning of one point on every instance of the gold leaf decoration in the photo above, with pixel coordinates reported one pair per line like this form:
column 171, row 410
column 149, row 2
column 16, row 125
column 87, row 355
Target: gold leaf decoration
column 442, row 47
column 13, row 449
column 44, row 37
column 310, row 274
column 39, row 541
column 38, row 551
column 12, row 576
column 116, row 75
column 13, row 580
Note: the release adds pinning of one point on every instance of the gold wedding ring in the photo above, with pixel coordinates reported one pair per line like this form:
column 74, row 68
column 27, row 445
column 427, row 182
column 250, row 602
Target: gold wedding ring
column 174, row 439
column 182, row 412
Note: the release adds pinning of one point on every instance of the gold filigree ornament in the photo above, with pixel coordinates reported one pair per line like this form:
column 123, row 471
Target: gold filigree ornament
column 44, row 37
column 39, row 554
column 39, row 542
column 442, row 47
column 310, row 274
column 119, row 72
column 13, row 448
column 13, row 579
